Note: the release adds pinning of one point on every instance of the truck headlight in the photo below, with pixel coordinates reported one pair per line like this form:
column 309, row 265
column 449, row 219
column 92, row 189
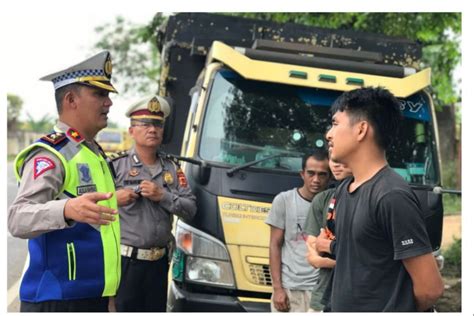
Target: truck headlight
column 207, row 259
column 209, row 271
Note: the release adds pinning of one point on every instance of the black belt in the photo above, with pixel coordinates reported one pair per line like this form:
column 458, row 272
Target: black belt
column 152, row 254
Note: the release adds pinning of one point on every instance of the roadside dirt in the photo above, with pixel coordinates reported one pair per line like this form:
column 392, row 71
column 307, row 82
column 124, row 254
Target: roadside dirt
column 451, row 228
column 451, row 299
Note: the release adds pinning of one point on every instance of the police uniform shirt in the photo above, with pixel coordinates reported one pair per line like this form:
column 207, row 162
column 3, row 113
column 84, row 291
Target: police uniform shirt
column 35, row 210
column 144, row 223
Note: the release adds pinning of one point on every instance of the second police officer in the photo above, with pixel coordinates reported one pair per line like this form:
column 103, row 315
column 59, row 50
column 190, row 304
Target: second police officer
column 150, row 190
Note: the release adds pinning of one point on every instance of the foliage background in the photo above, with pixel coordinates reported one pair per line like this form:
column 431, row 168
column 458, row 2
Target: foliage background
column 134, row 48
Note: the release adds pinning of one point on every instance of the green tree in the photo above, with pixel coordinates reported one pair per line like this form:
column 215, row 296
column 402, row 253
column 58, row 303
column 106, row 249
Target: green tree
column 133, row 49
column 439, row 34
column 15, row 104
column 43, row 125
column 112, row 124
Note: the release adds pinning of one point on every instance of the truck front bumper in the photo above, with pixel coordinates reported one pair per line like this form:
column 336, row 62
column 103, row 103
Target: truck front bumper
column 180, row 300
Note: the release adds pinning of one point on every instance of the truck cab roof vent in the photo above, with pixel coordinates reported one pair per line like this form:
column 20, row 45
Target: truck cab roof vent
column 317, row 51
column 334, row 58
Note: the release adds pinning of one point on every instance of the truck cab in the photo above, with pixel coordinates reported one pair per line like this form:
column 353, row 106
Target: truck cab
column 255, row 109
column 113, row 140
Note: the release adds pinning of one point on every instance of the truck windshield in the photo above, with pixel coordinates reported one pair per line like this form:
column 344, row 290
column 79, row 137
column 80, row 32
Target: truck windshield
column 249, row 120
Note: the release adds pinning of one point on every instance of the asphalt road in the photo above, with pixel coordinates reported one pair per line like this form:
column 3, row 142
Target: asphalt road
column 16, row 251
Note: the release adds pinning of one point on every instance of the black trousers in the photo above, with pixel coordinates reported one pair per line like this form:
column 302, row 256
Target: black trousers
column 143, row 285
column 84, row 305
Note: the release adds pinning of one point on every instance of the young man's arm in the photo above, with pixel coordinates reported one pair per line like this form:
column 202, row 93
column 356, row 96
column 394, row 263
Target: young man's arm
column 323, row 244
column 313, row 257
column 427, row 282
column 280, row 299
column 400, row 217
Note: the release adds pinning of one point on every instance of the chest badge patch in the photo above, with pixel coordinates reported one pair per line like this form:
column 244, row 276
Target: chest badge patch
column 42, row 164
column 183, row 182
column 168, row 177
column 85, row 173
column 133, row 172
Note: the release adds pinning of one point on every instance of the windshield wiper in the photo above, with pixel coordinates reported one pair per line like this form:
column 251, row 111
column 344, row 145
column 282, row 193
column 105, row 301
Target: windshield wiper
column 231, row 172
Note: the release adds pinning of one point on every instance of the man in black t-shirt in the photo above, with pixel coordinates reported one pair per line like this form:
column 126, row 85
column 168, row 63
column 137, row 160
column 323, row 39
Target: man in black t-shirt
column 384, row 259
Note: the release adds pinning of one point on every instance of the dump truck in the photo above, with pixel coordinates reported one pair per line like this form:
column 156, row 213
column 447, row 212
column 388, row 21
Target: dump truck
column 251, row 97
column 113, row 140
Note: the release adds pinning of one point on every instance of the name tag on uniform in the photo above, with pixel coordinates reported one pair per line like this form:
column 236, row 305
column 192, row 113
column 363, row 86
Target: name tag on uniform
column 86, row 189
column 132, row 182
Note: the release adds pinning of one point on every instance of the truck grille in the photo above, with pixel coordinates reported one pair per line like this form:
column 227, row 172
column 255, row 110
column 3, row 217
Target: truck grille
column 260, row 274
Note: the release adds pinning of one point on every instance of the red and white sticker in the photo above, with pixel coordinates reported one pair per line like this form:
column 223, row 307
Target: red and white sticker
column 42, row 164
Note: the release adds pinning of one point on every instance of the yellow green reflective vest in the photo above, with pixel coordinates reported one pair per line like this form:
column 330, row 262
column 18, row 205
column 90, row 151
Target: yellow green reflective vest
column 82, row 261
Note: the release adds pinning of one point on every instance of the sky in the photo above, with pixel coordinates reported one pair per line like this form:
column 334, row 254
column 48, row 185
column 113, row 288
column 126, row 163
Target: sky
column 42, row 37
column 52, row 42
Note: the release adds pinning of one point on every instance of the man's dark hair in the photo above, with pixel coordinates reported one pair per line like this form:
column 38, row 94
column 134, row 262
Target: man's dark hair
column 61, row 92
column 318, row 154
column 376, row 105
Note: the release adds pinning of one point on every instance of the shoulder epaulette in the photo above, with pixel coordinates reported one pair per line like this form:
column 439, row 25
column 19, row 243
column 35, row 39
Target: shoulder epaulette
column 114, row 156
column 54, row 138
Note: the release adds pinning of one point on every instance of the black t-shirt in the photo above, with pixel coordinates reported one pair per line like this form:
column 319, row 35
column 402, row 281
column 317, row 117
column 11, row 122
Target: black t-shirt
column 377, row 225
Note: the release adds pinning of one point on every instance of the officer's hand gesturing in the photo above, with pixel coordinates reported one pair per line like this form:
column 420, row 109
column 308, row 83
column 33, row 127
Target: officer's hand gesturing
column 152, row 191
column 85, row 209
column 126, row 196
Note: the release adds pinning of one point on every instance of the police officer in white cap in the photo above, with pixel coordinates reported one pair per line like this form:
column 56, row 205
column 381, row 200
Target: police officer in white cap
column 151, row 189
column 66, row 204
